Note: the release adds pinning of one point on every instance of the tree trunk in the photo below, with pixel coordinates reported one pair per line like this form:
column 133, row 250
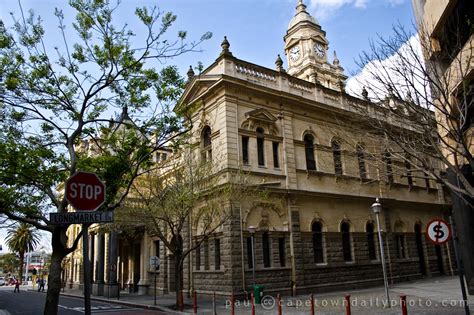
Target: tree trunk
column 22, row 260
column 54, row 278
column 178, row 278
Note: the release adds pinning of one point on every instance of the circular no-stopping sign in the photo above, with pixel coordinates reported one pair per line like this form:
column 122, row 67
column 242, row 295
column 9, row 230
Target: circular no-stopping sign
column 438, row 231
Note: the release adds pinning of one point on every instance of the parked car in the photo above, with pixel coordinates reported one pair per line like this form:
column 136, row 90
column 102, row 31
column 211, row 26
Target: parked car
column 2, row 281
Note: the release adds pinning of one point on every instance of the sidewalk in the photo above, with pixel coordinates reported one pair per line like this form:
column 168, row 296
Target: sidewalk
column 440, row 295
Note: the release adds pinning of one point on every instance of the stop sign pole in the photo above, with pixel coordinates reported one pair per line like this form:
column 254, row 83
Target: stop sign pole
column 85, row 192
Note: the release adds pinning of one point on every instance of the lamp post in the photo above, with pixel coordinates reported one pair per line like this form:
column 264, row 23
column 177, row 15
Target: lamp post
column 376, row 208
column 252, row 241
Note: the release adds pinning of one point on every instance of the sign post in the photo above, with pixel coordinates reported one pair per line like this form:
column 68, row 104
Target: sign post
column 85, row 192
column 155, row 264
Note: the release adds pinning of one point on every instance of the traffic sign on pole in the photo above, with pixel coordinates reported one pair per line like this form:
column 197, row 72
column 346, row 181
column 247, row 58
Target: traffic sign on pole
column 438, row 231
column 85, row 191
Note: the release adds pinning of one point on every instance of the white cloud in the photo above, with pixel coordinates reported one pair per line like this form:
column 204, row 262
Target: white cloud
column 395, row 2
column 365, row 76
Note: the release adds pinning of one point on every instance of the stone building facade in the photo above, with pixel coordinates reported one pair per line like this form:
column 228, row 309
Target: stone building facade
column 294, row 132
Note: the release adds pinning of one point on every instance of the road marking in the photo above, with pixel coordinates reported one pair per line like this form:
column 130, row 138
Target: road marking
column 98, row 308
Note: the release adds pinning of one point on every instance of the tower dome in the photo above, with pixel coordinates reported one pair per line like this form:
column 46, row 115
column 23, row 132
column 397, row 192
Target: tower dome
column 301, row 16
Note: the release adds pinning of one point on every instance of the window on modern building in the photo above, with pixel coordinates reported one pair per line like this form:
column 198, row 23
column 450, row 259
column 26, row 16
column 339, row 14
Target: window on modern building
column 245, row 149
column 206, row 254
column 309, row 152
column 157, row 251
column 249, row 253
column 217, row 254
column 336, row 152
column 409, row 175
column 206, row 144
column 266, row 250
column 198, row 257
column 261, row 146
column 400, row 243
column 361, row 161
column 346, row 241
column 281, row 251
column 371, row 240
column 387, row 159
column 276, row 156
column 317, row 230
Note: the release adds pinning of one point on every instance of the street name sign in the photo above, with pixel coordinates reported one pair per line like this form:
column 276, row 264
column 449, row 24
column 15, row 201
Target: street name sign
column 85, row 191
column 438, row 231
column 81, row 217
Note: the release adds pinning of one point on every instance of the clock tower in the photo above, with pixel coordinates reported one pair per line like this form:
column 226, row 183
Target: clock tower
column 306, row 49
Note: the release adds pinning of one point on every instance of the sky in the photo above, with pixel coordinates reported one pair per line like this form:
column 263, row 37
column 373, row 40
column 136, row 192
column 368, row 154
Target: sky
column 254, row 28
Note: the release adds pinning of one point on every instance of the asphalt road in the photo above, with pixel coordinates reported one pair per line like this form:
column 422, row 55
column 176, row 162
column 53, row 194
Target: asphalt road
column 32, row 303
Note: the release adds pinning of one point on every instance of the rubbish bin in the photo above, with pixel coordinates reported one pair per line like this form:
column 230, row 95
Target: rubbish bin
column 258, row 293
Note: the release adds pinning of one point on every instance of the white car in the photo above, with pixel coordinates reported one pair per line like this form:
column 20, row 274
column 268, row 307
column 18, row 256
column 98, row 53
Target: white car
column 2, row 281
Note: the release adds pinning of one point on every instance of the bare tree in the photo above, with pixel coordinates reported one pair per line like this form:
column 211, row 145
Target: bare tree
column 424, row 109
column 418, row 110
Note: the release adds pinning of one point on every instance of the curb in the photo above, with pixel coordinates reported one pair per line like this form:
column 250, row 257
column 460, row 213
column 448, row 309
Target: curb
column 119, row 302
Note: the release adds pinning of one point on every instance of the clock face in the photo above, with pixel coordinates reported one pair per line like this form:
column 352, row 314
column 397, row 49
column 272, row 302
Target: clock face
column 295, row 53
column 319, row 50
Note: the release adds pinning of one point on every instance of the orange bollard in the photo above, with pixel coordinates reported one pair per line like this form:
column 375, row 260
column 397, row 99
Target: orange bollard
column 279, row 304
column 195, row 305
column 348, row 304
column 253, row 303
column 312, row 304
column 403, row 304
column 232, row 301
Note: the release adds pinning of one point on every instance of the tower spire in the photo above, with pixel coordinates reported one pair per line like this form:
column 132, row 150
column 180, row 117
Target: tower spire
column 301, row 6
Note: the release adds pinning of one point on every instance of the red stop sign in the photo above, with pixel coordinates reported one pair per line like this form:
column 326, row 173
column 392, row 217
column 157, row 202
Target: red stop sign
column 85, row 191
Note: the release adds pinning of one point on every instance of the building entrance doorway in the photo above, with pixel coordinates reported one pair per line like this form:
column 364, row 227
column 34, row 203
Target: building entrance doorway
column 419, row 248
column 439, row 259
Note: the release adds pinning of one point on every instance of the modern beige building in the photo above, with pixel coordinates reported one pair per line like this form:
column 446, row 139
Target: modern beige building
column 447, row 34
column 296, row 133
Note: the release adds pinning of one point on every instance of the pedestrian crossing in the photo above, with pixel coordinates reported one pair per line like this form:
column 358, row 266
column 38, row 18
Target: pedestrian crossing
column 99, row 308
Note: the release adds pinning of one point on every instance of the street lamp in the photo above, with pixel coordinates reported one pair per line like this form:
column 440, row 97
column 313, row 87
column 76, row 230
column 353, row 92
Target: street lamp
column 376, row 208
column 252, row 235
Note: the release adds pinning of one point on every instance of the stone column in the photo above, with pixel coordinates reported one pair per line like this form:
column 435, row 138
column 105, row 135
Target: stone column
column 143, row 284
column 98, row 287
column 112, row 286
column 91, row 254
column 71, row 271
column 130, row 268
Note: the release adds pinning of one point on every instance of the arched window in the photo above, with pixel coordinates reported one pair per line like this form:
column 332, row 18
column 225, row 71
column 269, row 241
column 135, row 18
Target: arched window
column 336, row 151
column 387, row 159
column 261, row 146
column 409, row 174
column 309, row 152
column 361, row 161
column 346, row 241
column 206, row 147
column 317, row 228
column 371, row 240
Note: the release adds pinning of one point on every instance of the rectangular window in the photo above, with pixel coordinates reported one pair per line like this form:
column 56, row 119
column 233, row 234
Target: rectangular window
column 266, row 250
column 276, row 158
column 249, row 253
column 206, row 254
column 427, row 180
column 281, row 251
column 245, row 150
column 400, row 242
column 198, row 257
column 157, row 251
column 217, row 254
column 388, row 165
column 409, row 176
